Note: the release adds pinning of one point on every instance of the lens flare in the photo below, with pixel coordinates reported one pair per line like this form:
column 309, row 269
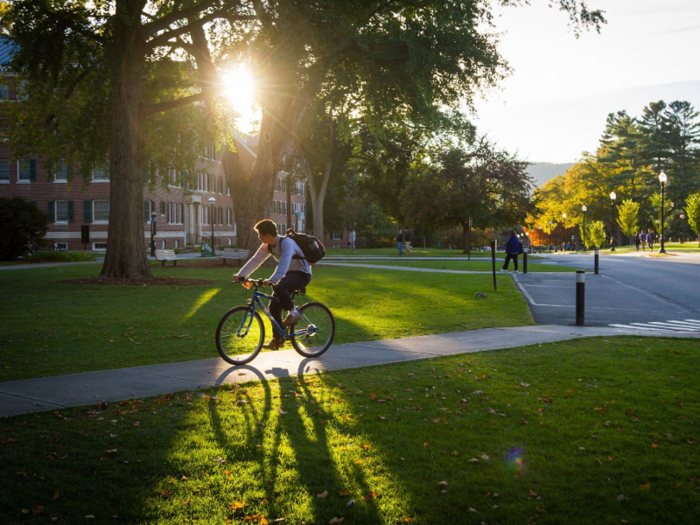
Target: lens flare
column 515, row 460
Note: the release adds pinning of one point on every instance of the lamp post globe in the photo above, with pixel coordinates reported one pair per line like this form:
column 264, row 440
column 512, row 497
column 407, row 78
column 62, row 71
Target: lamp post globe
column 613, row 196
column 662, row 179
column 212, row 200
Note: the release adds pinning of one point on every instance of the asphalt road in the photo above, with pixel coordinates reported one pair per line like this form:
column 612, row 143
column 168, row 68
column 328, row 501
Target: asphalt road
column 632, row 290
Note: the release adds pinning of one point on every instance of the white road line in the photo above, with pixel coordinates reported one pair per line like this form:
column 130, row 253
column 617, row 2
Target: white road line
column 638, row 327
column 674, row 327
column 649, row 326
column 684, row 323
column 692, row 321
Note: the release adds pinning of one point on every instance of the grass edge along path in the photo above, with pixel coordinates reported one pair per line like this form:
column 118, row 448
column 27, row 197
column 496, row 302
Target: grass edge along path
column 600, row 430
column 54, row 329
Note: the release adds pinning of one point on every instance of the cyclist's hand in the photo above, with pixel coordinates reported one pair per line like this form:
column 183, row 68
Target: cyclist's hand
column 247, row 285
column 267, row 282
column 236, row 278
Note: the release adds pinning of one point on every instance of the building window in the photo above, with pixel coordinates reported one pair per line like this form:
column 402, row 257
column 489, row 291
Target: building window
column 229, row 217
column 162, row 207
column 100, row 211
column 4, row 92
column 221, row 216
column 61, row 174
column 336, row 236
column 99, row 246
column 60, row 246
column 177, row 243
column 26, row 170
column 4, row 171
column 101, row 173
column 61, row 211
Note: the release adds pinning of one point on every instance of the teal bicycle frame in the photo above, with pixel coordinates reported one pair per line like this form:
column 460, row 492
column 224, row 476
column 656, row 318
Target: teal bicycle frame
column 257, row 301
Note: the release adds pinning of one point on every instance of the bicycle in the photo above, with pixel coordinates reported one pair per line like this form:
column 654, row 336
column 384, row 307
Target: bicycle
column 241, row 331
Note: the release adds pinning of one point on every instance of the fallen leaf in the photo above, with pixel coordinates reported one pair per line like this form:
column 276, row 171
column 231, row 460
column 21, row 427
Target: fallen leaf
column 645, row 486
column 345, row 492
column 471, row 509
column 335, row 521
column 371, row 495
column 442, row 484
column 350, row 503
column 281, row 412
column 55, row 495
column 236, row 505
column 484, row 457
column 472, row 460
column 185, row 502
column 532, row 494
column 366, row 446
column 322, row 495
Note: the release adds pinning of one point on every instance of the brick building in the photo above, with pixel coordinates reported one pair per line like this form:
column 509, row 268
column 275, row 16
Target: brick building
column 184, row 213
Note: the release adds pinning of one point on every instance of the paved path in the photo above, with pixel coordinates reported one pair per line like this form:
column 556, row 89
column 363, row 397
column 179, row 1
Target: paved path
column 402, row 268
column 55, row 393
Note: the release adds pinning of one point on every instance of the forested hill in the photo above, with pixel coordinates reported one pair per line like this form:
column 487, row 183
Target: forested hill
column 542, row 172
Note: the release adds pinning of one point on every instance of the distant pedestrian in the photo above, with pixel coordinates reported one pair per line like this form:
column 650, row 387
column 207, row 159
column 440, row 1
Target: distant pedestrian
column 399, row 241
column 352, row 240
column 512, row 251
column 636, row 240
column 643, row 238
column 650, row 239
column 407, row 240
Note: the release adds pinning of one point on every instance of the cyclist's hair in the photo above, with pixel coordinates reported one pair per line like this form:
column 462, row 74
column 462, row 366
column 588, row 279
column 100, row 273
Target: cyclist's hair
column 266, row 227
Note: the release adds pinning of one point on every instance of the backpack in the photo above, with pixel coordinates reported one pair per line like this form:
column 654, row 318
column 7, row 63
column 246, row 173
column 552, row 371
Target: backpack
column 313, row 249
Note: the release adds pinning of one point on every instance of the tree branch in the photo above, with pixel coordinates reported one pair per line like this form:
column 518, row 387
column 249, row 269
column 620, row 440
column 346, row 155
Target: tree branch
column 149, row 109
column 162, row 23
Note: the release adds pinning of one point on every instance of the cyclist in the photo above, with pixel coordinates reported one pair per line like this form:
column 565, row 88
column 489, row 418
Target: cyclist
column 293, row 272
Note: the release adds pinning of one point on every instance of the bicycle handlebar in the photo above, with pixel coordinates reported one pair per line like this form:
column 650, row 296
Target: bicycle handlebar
column 255, row 282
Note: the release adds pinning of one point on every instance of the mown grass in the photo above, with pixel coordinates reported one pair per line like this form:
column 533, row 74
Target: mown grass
column 474, row 266
column 50, row 328
column 417, row 252
column 580, row 432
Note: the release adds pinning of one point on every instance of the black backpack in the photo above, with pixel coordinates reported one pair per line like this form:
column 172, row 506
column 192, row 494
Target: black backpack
column 313, row 249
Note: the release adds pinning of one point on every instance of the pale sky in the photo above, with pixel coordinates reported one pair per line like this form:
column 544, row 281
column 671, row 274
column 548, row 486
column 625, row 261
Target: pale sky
column 553, row 106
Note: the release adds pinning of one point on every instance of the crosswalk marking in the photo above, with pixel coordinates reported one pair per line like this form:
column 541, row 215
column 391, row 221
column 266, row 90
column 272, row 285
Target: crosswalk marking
column 686, row 325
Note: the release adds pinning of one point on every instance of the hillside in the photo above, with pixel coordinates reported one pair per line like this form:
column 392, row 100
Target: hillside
column 541, row 172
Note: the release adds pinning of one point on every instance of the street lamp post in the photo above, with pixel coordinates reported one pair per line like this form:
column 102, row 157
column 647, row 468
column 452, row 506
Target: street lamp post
column 662, row 180
column 682, row 227
column 613, row 196
column 563, row 223
column 583, row 230
column 550, row 236
column 212, row 200
column 153, row 234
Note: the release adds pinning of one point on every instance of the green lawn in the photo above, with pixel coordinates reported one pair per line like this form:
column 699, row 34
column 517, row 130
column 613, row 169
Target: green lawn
column 474, row 266
column 580, row 432
column 52, row 329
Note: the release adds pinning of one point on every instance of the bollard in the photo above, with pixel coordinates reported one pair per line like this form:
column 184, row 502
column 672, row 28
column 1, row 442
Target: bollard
column 580, row 296
column 595, row 258
column 525, row 261
column 493, row 263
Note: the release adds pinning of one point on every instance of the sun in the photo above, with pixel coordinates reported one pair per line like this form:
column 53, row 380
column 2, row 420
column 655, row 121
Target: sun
column 239, row 89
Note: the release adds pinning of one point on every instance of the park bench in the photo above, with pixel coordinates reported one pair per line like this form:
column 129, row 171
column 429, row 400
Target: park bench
column 166, row 255
column 235, row 254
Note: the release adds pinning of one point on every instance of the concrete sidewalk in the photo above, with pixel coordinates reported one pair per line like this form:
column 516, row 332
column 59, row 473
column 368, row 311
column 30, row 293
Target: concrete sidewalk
column 55, row 393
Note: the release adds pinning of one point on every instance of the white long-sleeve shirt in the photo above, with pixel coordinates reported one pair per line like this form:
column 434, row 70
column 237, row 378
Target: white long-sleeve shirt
column 283, row 252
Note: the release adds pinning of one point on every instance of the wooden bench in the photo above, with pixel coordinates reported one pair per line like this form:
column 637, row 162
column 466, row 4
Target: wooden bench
column 235, row 254
column 166, row 255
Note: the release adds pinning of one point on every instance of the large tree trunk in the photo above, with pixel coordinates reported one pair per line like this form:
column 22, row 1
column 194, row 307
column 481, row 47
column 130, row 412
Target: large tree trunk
column 318, row 191
column 126, row 245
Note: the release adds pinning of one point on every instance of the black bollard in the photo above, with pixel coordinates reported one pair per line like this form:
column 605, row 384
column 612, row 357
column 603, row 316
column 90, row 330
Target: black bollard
column 525, row 261
column 595, row 258
column 580, row 297
column 493, row 263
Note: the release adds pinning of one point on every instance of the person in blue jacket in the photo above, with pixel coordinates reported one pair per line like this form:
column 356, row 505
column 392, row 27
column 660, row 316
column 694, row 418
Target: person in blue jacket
column 512, row 251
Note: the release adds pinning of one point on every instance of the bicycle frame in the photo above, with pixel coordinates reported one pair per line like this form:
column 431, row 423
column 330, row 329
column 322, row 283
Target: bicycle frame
column 257, row 301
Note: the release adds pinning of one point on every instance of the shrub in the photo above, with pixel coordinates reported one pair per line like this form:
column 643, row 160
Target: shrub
column 24, row 227
column 596, row 234
column 47, row 256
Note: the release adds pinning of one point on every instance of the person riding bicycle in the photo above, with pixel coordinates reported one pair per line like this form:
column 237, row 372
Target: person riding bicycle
column 293, row 272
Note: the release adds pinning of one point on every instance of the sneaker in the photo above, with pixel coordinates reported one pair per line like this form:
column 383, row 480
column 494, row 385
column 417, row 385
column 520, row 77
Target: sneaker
column 515, row 271
column 274, row 344
column 291, row 319
column 503, row 270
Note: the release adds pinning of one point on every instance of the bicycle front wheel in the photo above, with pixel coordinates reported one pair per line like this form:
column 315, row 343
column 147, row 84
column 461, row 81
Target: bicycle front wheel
column 318, row 323
column 240, row 335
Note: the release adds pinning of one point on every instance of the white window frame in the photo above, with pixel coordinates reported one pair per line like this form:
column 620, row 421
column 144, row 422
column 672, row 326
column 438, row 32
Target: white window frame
column 95, row 247
column 94, row 213
column 105, row 170
column 63, row 168
column 336, row 236
column 7, row 163
column 60, row 246
column 56, row 220
column 19, row 171
column 5, row 88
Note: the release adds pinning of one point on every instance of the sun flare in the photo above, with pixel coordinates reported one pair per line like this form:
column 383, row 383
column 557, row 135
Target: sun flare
column 239, row 89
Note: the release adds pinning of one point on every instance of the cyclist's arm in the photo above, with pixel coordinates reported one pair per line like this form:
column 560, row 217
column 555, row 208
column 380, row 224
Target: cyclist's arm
column 255, row 261
column 289, row 249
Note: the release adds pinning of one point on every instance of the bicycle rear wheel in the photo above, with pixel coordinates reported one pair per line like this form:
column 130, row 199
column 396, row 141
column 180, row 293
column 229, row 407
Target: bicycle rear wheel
column 240, row 335
column 318, row 320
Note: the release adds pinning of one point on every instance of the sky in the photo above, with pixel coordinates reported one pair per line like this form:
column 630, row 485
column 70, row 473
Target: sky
column 554, row 104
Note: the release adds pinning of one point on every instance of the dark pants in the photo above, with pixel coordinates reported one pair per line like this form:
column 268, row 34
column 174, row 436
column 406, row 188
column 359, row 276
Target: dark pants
column 283, row 291
column 511, row 257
